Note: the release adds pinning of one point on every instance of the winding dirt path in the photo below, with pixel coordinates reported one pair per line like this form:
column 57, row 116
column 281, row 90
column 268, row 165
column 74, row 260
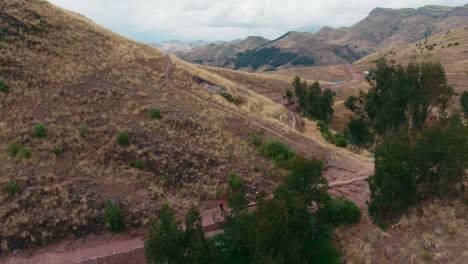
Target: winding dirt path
column 342, row 170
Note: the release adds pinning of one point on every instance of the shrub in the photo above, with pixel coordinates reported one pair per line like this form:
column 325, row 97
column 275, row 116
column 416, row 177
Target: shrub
column 255, row 139
column 341, row 141
column 123, row 139
column 138, row 164
column 23, row 153
column 278, row 152
column 113, row 216
column 234, row 181
column 154, row 113
column 464, row 102
column 12, row 188
column 13, row 149
column 40, row 131
column 339, row 211
column 228, row 97
column 57, row 151
column 4, row 88
column 83, row 131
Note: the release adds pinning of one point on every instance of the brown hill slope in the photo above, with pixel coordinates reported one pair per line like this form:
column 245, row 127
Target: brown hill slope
column 219, row 54
column 385, row 27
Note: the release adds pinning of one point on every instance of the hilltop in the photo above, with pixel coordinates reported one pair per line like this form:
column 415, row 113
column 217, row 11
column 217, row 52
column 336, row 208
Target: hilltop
column 173, row 46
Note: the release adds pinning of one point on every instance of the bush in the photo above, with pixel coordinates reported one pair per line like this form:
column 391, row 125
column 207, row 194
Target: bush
column 255, row 139
column 113, row 216
column 464, row 102
column 4, row 88
column 154, row 113
column 228, row 97
column 13, row 149
column 339, row 211
column 23, row 153
column 123, row 139
column 40, row 131
column 341, row 141
column 83, row 131
column 278, row 152
column 57, row 151
column 234, row 181
column 138, row 164
column 12, row 188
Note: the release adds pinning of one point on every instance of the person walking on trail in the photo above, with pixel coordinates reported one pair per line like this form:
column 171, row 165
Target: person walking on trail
column 222, row 205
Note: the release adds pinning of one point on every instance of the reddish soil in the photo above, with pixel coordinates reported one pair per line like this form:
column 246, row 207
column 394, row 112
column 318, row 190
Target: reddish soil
column 346, row 173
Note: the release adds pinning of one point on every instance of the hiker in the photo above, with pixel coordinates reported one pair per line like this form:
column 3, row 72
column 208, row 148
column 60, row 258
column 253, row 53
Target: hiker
column 221, row 205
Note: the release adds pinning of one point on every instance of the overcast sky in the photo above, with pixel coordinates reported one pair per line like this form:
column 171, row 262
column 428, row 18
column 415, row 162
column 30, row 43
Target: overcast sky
column 157, row 20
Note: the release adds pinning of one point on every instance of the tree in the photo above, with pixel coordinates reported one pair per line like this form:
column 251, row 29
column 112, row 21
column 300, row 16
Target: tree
column 464, row 102
column 400, row 97
column 289, row 95
column 359, row 132
column 113, row 216
column 197, row 248
column 165, row 240
column 393, row 185
column 339, row 211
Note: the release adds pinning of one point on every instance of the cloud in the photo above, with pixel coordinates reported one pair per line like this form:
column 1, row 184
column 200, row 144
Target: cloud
column 151, row 21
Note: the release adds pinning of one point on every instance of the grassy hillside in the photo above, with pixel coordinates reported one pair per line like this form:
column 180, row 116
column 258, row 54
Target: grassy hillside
column 83, row 86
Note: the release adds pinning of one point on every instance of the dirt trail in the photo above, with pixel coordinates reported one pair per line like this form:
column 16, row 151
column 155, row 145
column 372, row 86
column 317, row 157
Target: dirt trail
column 343, row 170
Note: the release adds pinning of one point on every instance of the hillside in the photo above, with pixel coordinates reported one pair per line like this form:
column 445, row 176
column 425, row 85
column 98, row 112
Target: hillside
column 75, row 129
column 385, row 27
column 219, row 54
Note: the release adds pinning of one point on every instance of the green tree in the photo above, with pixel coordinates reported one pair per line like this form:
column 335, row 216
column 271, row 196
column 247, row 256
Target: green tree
column 393, row 185
column 164, row 242
column 289, row 95
column 464, row 102
column 197, row 248
column 339, row 211
column 359, row 132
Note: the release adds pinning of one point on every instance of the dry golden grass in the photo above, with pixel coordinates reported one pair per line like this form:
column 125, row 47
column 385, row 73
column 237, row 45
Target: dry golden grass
column 435, row 233
column 325, row 74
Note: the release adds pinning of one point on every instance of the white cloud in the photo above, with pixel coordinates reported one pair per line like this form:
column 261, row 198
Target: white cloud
column 155, row 20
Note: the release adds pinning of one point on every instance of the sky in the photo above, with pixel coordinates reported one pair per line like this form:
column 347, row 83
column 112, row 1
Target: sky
column 153, row 21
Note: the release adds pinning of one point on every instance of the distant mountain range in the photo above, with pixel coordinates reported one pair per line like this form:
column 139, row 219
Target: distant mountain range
column 382, row 28
column 173, row 46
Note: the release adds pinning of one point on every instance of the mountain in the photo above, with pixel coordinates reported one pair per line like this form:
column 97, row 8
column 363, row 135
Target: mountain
column 174, row 46
column 385, row 27
column 220, row 54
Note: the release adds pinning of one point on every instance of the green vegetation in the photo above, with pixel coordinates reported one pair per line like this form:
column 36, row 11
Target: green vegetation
column 265, row 56
column 303, row 60
column 113, row 216
column 166, row 242
column 336, row 139
column 40, row 131
column 278, row 152
column 255, row 139
column 228, row 97
column 23, row 154
column 400, row 97
column 414, row 161
column 12, row 188
column 313, row 102
column 123, row 139
column 13, row 149
column 57, row 151
column 281, row 229
column 154, row 113
column 4, row 88
column 83, row 131
column 339, row 211
column 138, row 164
column 464, row 102
column 289, row 95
